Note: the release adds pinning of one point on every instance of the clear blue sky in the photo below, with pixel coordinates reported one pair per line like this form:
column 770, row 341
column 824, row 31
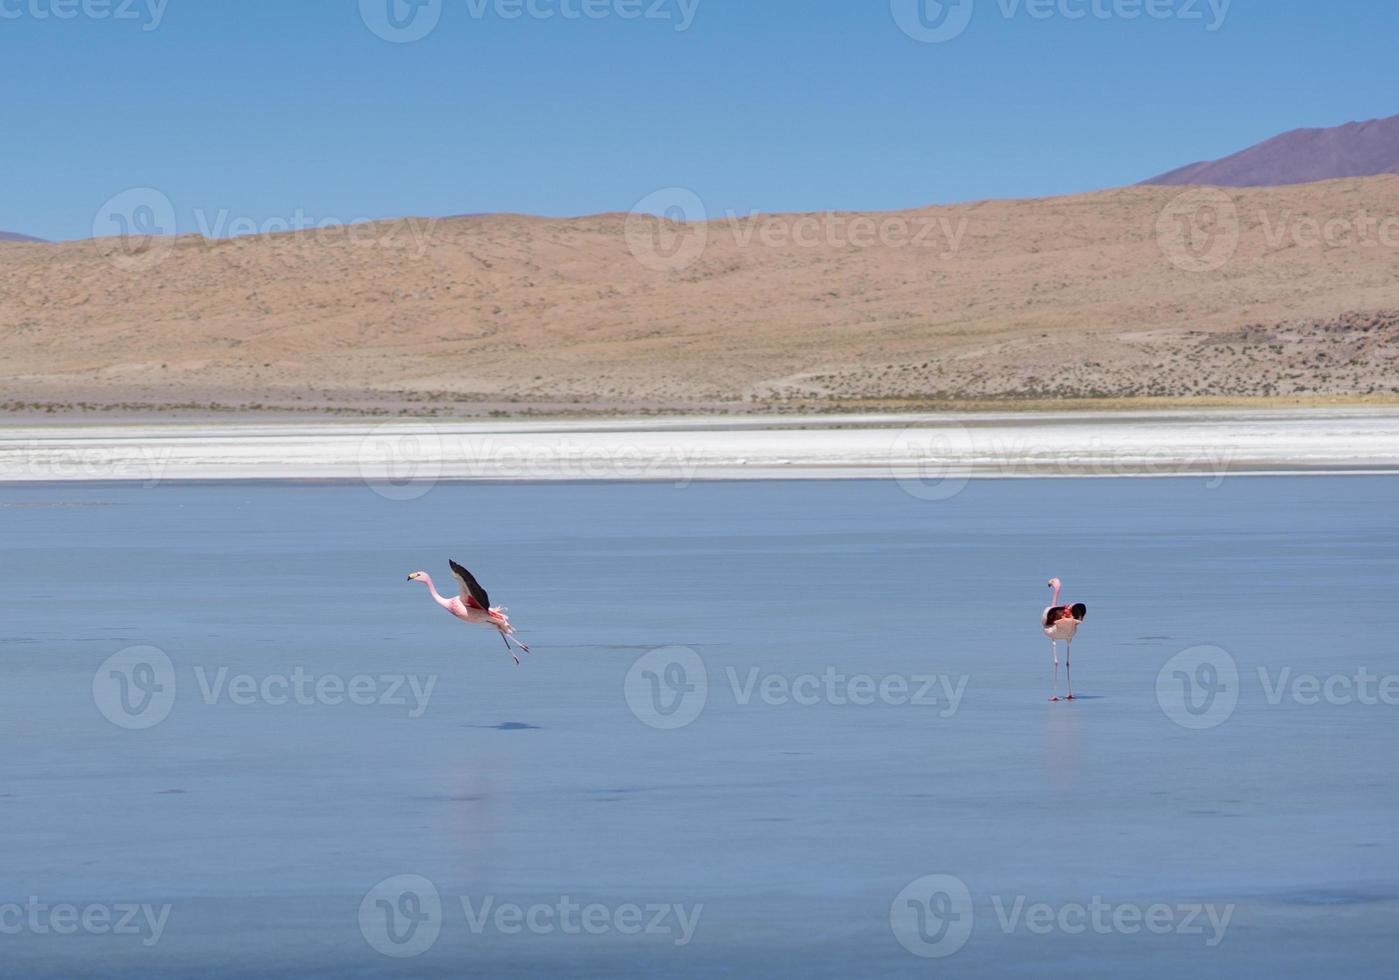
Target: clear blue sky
column 268, row 108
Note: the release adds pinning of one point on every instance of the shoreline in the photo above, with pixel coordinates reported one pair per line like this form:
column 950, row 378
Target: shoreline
column 124, row 413
column 929, row 453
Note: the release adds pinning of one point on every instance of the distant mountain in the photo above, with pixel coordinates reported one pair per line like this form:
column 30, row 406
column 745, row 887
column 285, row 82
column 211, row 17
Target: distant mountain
column 1358, row 149
column 11, row 236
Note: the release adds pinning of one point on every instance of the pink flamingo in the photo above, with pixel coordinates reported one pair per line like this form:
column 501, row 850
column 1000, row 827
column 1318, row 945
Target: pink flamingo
column 473, row 606
column 1061, row 622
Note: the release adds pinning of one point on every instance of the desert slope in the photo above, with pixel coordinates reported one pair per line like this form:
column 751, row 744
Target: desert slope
column 1357, row 149
column 1124, row 293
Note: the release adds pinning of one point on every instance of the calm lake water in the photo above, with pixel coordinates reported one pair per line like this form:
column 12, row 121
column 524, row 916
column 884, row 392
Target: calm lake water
column 756, row 717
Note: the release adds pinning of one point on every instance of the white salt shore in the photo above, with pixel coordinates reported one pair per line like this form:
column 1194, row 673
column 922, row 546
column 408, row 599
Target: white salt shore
column 931, row 453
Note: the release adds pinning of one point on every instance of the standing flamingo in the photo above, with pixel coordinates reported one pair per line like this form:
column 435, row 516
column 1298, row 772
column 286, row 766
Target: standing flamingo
column 473, row 606
column 1061, row 622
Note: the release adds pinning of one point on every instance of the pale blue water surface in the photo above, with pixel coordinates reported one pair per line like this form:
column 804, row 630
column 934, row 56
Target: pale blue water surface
column 787, row 829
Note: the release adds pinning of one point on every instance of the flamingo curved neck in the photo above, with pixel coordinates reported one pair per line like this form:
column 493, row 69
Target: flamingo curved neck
column 433, row 590
column 1056, row 594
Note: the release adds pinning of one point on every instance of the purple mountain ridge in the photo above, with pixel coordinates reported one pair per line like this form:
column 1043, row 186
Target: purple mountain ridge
column 1358, row 149
column 12, row 236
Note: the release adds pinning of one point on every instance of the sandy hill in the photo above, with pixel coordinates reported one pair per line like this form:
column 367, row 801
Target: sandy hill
column 1358, row 149
column 1132, row 292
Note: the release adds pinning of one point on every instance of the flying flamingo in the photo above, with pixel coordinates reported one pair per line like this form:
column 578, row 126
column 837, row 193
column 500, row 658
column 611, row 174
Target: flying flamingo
column 1061, row 623
column 473, row 606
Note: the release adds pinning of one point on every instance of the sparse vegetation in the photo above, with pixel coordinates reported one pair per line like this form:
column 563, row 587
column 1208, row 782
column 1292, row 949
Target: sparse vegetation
column 1063, row 302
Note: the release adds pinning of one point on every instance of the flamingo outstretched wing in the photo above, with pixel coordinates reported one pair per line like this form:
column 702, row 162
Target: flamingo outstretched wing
column 471, row 592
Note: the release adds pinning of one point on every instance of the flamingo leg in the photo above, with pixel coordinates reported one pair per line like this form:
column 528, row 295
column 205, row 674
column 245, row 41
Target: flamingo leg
column 1054, row 646
column 512, row 652
column 1068, row 670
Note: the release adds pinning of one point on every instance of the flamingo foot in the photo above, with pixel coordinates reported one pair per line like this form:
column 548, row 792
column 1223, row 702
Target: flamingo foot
column 1055, row 698
column 1071, row 698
